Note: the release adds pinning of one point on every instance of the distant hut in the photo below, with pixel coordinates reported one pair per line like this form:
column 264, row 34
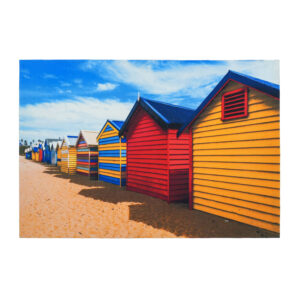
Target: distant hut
column 28, row 153
column 58, row 153
column 48, row 149
column 68, row 154
column 35, row 152
column 41, row 152
column 157, row 159
column 87, row 154
column 112, row 153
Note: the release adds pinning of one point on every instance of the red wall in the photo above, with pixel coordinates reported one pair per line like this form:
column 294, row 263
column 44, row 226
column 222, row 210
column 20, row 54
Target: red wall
column 40, row 154
column 157, row 162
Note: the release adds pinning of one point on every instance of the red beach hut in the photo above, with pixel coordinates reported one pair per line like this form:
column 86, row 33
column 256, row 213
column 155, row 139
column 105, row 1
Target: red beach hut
column 157, row 160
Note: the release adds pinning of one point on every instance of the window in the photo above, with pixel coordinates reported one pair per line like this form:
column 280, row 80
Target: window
column 235, row 104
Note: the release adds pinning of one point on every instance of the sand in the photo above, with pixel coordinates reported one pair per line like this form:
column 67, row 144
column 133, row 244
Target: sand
column 56, row 205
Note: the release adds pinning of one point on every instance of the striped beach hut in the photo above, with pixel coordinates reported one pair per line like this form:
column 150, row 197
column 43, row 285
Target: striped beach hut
column 112, row 153
column 68, row 155
column 236, row 154
column 58, row 153
column 157, row 160
column 87, row 154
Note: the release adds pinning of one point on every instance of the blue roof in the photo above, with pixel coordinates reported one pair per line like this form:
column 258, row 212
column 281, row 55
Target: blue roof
column 267, row 87
column 117, row 124
column 165, row 114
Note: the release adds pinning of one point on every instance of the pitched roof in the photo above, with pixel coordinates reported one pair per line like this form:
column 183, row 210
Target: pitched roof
column 266, row 87
column 58, row 144
column 165, row 114
column 89, row 136
column 70, row 140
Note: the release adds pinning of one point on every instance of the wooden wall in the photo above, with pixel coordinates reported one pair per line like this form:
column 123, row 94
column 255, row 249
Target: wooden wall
column 157, row 161
column 68, row 159
column 87, row 159
column 236, row 171
column 58, row 157
column 112, row 156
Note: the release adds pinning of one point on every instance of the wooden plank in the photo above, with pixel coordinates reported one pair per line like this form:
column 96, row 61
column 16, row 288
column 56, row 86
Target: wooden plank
column 238, row 144
column 260, row 135
column 257, row 190
column 238, row 166
column 245, row 122
column 239, row 210
column 246, row 204
column 239, row 151
column 247, row 181
column 239, row 130
column 237, row 195
column 236, row 217
column 239, row 158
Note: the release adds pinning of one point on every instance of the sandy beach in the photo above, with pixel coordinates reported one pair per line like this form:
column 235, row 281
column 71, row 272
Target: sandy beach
column 55, row 205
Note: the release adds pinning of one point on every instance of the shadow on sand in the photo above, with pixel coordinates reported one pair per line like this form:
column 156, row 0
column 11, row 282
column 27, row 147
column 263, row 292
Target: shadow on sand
column 77, row 179
column 175, row 217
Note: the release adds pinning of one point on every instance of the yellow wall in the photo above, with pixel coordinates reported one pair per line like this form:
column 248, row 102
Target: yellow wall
column 59, row 156
column 236, row 162
column 68, row 159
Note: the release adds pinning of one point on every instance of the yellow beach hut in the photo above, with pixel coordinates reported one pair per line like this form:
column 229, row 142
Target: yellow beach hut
column 68, row 155
column 235, row 159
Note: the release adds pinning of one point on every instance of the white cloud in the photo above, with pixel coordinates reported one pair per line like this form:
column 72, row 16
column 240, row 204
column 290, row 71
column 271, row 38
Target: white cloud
column 49, row 76
column 173, row 78
column 106, row 86
column 56, row 119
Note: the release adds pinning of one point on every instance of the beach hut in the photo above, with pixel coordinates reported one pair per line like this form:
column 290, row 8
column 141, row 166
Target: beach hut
column 41, row 152
column 28, row 153
column 53, row 152
column 87, row 154
column 58, row 153
column 157, row 160
column 48, row 149
column 235, row 158
column 35, row 152
column 68, row 154
column 112, row 153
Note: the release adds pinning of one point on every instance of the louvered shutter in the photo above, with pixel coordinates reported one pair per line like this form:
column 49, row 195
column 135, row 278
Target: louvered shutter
column 235, row 104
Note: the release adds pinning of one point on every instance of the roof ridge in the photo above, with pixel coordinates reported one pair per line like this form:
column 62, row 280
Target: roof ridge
column 169, row 104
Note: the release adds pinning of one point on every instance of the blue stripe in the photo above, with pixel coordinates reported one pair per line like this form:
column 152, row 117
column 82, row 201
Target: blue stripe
column 109, row 140
column 112, row 167
column 112, row 153
column 112, row 180
column 108, row 128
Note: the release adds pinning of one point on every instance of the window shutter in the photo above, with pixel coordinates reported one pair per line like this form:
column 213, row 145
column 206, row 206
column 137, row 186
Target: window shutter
column 235, row 104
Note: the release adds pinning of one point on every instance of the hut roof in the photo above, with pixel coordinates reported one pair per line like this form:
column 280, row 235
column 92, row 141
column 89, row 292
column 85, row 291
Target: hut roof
column 70, row 140
column 166, row 115
column 89, row 136
column 266, row 87
column 58, row 144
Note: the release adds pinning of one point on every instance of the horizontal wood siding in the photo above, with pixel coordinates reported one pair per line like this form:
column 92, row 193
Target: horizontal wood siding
column 147, row 157
column 87, row 159
column 68, row 159
column 236, row 163
column 178, row 156
column 111, row 156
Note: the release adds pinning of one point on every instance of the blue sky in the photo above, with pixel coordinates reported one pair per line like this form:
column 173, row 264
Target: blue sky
column 60, row 97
